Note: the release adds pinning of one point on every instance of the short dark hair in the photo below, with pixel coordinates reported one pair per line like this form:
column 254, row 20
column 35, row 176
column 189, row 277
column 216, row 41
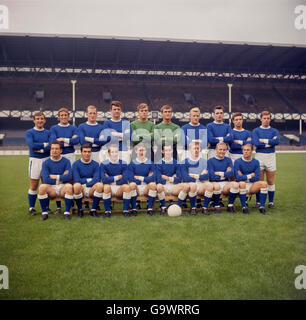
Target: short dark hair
column 116, row 104
column 237, row 114
column 219, row 107
column 86, row 146
column 56, row 142
column 38, row 114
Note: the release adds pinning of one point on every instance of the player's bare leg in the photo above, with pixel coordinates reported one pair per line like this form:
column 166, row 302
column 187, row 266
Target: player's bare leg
column 32, row 195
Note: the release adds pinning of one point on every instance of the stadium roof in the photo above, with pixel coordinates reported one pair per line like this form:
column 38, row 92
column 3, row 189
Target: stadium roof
column 146, row 55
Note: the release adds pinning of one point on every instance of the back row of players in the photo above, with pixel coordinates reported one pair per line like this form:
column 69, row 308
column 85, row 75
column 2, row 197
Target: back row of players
column 191, row 176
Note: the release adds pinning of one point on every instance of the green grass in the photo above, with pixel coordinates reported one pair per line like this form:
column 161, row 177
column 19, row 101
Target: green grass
column 203, row 257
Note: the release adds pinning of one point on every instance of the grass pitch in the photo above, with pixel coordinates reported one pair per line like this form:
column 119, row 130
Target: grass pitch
column 203, row 257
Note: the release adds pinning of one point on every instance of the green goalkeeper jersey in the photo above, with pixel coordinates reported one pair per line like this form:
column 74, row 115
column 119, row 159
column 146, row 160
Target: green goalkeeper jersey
column 167, row 133
column 142, row 132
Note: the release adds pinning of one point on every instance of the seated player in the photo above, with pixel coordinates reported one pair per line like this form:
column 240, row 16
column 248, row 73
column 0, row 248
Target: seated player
column 220, row 170
column 142, row 178
column 113, row 173
column 247, row 172
column 195, row 176
column 86, row 179
column 168, row 177
column 56, row 171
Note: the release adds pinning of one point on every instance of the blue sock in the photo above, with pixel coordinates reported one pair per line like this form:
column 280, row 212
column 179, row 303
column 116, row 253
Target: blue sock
column 151, row 198
column 78, row 199
column 43, row 200
column 263, row 196
column 257, row 198
column 32, row 195
column 68, row 202
column 242, row 196
column 232, row 196
column 48, row 203
column 107, row 201
column 162, row 201
column 58, row 204
column 126, row 200
column 192, row 199
column 207, row 198
column 216, row 198
column 271, row 192
column 96, row 199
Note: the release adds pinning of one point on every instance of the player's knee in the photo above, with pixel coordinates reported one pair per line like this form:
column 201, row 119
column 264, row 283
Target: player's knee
column 43, row 188
column 242, row 185
column 126, row 188
column 99, row 187
column 186, row 188
column 152, row 185
column 133, row 185
column 68, row 188
column 209, row 187
column 217, row 187
column 263, row 184
column 77, row 188
column 193, row 187
column 234, row 185
column 106, row 188
column 160, row 188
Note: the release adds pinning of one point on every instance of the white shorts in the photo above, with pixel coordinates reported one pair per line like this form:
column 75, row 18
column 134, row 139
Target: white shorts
column 86, row 190
column 248, row 186
column 267, row 161
column 212, row 153
column 57, row 188
column 141, row 187
column 35, row 166
column 114, row 189
column 70, row 157
column 222, row 184
column 235, row 156
column 168, row 187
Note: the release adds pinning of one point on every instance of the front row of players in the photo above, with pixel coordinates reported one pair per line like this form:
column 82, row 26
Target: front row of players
column 141, row 177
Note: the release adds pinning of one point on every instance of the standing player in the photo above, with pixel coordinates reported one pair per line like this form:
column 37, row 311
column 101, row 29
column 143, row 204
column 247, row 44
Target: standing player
column 86, row 181
column 67, row 135
column 56, row 172
column 192, row 131
column 118, row 131
column 114, row 175
column 247, row 173
column 168, row 177
column 218, row 131
column 39, row 150
column 89, row 132
column 240, row 137
column 166, row 132
column 143, row 129
column 220, row 170
column 142, row 178
column 195, row 175
column 265, row 139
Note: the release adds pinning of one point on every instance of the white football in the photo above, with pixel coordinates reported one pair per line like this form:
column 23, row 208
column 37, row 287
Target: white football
column 174, row 211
